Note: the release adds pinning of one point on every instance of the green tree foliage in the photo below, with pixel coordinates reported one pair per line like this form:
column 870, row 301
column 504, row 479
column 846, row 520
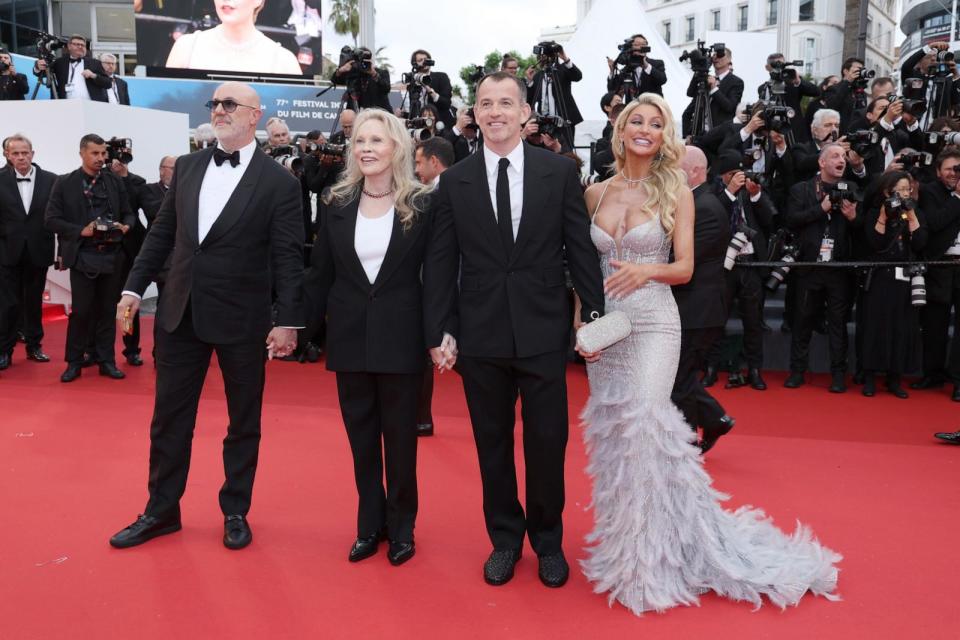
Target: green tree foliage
column 492, row 63
column 345, row 16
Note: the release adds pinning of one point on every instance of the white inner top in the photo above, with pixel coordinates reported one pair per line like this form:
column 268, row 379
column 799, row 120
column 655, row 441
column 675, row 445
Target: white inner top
column 371, row 239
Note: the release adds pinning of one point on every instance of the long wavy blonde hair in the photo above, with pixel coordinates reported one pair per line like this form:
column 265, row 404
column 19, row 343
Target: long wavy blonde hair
column 667, row 179
column 409, row 195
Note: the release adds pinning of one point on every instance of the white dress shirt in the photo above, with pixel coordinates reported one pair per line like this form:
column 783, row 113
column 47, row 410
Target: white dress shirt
column 515, row 177
column 76, row 88
column 26, row 188
column 113, row 96
column 218, row 185
column 720, row 79
column 371, row 239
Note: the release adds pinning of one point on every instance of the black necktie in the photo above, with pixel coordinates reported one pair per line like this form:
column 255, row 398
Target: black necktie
column 23, row 179
column 220, row 156
column 504, row 217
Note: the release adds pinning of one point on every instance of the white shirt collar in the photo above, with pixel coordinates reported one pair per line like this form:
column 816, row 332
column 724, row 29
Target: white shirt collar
column 246, row 152
column 436, row 180
column 724, row 74
column 29, row 174
column 492, row 160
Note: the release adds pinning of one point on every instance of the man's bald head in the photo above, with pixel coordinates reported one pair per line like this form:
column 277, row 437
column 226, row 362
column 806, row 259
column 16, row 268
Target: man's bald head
column 237, row 129
column 694, row 164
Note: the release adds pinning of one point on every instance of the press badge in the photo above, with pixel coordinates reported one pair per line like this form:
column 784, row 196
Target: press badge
column 826, row 250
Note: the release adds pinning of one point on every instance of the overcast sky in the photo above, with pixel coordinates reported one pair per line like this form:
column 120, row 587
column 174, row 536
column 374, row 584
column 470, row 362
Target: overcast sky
column 456, row 32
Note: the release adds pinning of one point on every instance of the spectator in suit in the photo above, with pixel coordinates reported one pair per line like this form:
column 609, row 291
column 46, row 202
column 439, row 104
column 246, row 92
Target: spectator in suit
column 548, row 90
column 118, row 92
column 77, row 76
column 647, row 74
column 13, row 85
column 725, row 91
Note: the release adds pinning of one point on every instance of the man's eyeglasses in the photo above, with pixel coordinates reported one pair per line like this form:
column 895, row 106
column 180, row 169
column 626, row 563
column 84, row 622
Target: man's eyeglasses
column 228, row 105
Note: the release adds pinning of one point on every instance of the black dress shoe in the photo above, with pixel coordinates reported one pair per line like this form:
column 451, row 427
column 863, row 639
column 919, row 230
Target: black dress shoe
column 859, row 377
column 735, row 381
column 952, row 438
column 927, row 382
column 145, row 528
column 794, row 380
column 709, row 377
column 110, row 370
column 134, row 360
column 710, row 437
column 425, row 429
column 364, row 547
column 756, row 380
column 311, row 353
column 72, row 373
column 838, row 384
column 4, row 361
column 400, row 552
column 898, row 391
column 236, row 532
column 553, row 570
column 37, row 355
column 498, row 569
column 869, row 385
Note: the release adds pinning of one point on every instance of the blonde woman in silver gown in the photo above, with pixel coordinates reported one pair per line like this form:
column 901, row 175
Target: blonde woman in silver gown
column 661, row 537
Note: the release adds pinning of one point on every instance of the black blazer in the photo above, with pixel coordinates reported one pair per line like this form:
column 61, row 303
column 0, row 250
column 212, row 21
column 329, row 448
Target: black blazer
column 565, row 77
column 649, row 82
column 227, row 279
column 793, row 96
column 374, row 92
column 96, row 87
column 14, row 87
column 22, row 230
column 151, row 197
column 806, row 218
column 702, row 301
column 123, row 93
column 375, row 327
column 759, row 216
column 440, row 82
column 514, row 305
column 67, row 210
column 723, row 103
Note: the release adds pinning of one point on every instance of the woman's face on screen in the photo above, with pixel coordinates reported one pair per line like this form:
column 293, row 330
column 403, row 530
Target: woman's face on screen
column 237, row 11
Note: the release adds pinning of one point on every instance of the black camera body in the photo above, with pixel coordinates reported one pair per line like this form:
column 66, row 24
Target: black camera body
column 784, row 70
column 864, row 76
column 550, row 125
column 120, row 149
column 106, row 233
column 473, row 116
column 3, row 66
column 416, row 78
column 940, row 67
column 755, row 176
column 288, row 157
column 896, row 208
column 916, row 160
column 629, row 57
column 47, row 45
column 914, row 106
column 362, row 59
column 843, row 192
column 477, row 74
column 701, row 58
column 333, row 150
column 864, row 141
column 777, row 117
column 547, row 49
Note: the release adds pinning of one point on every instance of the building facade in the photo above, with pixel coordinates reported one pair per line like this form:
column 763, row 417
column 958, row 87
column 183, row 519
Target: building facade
column 923, row 22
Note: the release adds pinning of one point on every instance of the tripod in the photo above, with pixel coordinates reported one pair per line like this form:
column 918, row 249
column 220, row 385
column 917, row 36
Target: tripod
column 349, row 100
column 47, row 81
column 550, row 81
column 702, row 120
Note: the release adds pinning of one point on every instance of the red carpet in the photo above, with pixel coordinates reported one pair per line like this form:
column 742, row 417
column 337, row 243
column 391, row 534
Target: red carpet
column 864, row 473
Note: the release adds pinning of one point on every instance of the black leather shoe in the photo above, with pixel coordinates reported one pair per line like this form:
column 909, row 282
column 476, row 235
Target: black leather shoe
column 553, row 570
column 236, row 532
column 400, row 552
column 927, row 382
column 859, row 377
column 898, row 391
column 110, row 370
column 955, row 396
column 498, row 569
column 134, row 360
column 364, row 547
column 72, row 373
column 869, row 385
column 37, row 355
column 838, row 384
column 794, row 380
column 952, row 438
column 311, row 353
column 727, row 422
column 710, row 377
column 735, row 381
column 425, row 429
column 756, row 380
column 4, row 361
column 144, row 529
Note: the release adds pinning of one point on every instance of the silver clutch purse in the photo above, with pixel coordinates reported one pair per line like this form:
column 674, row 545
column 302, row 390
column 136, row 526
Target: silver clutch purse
column 601, row 332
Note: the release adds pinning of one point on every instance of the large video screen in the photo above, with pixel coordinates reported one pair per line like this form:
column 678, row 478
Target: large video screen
column 263, row 38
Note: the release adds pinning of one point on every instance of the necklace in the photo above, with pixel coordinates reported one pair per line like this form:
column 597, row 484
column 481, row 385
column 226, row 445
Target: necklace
column 634, row 181
column 377, row 195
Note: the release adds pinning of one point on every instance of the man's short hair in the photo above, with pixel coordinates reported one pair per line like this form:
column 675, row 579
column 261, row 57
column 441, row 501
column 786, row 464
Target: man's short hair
column 439, row 148
column 315, row 134
column 77, row 36
column 819, row 116
column 502, row 76
column 873, row 103
column 882, row 80
column 638, row 35
column 606, row 100
column 275, row 120
column 774, row 56
column 17, row 137
column 945, row 155
column 849, row 62
column 508, row 58
column 90, row 138
column 827, row 147
column 413, row 56
column 108, row 57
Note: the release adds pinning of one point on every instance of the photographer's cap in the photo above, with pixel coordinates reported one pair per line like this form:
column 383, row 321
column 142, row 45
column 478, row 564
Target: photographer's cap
column 728, row 161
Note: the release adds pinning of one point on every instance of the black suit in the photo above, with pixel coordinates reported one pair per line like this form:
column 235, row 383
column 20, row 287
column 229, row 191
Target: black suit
column 792, row 96
column 375, row 344
column 703, row 312
column 218, row 299
column 845, row 98
column 563, row 101
column 648, row 82
column 96, row 86
column 511, row 317
column 461, row 146
column 26, row 251
column 440, row 82
column 122, row 91
column 13, row 87
column 371, row 92
column 723, row 101
column 943, row 284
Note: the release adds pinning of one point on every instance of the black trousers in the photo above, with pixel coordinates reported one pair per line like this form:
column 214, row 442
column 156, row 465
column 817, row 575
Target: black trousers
column 379, row 411
column 93, row 316
column 21, row 298
column 745, row 285
column 699, row 408
column 491, row 386
column 425, row 402
column 182, row 363
column 816, row 288
column 131, row 341
column 939, row 361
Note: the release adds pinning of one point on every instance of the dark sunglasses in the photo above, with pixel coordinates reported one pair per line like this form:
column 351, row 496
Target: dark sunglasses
column 229, row 105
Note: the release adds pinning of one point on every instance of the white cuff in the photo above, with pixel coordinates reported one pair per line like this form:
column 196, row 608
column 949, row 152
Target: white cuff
column 131, row 293
column 648, row 68
column 744, row 134
column 927, row 49
column 732, row 197
column 714, row 90
column 780, row 153
column 756, row 198
column 568, row 64
column 293, row 328
column 886, row 125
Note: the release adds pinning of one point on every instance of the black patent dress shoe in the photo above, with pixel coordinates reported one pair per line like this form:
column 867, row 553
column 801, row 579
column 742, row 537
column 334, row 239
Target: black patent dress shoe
column 425, row 429
column 898, row 391
column 498, row 569
column 400, row 552
column 110, row 370
column 727, row 422
column 952, row 438
column 838, row 383
column 756, row 380
column 794, row 380
column 735, row 381
column 365, row 546
column 869, row 385
column 144, row 529
column 709, row 377
column 4, row 361
column 37, row 355
column 236, row 532
column 72, row 372
column 134, row 360
column 553, row 570
column 927, row 382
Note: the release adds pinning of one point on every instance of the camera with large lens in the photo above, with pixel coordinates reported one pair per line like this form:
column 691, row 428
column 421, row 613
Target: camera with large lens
column 916, row 160
column 777, row 117
column 940, row 66
column 864, row 76
column 784, row 70
column 332, row 150
column 418, row 76
column 47, row 45
column 897, row 207
column 843, row 192
column 739, row 240
column 630, row 57
column 702, row 56
column 106, row 233
column 756, row 177
column 120, row 149
column 918, row 284
column 937, row 138
column 914, row 106
column 547, row 51
column 779, row 274
column 865, row 142
column 550, row 125
column 287, row 156
column 420, row 128
column 362, row 59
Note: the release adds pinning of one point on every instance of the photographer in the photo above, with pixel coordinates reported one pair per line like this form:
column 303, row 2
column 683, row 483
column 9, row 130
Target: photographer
column 464, row 135
column 434, row 85
column 889, row 321
column 76, row 76
column 89, row 210
column 510, row 64
column 602, row 162
column 548, row 88
column 794, row 89
column 884, row 118
column 825, row 130
column 763, row 136
column 822, row 213
column 826, row 86
column 607, row 103
column 342, row 137
column 934, row 62
column 278, row 134
column 13, row 85
column 639, row 73
column 849, row 94
column 724, row 89
column 118, row 93
column 367, row 86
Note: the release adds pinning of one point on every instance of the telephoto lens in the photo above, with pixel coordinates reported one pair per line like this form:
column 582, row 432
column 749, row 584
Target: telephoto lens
column 737, row 243
column 779, row 274
column 918, row 290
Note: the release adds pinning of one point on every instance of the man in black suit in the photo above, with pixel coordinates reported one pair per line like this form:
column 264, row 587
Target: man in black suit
column 77, row 76
column 88, row 210
column 464, row 135
column 510, row 316
column 647, row 74
column 548, row 90
column 437, row 90
column 724, row 89
column 849, row 94
column 117, row 93
column 794, row 89
column 26, row 248
column 13, row 85
column 232, row 220
column 702, row 305
column 365, row 89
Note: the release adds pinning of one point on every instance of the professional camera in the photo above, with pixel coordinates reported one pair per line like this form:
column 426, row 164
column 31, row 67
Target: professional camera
column 940, row 66
column 843, row 191
column 755, row 176
column 334, row 150
column 913, row 106
column 289, row 158
column 362, row 59
column 120, row 149
column 934, row 138
column 916, row 160
column 864, row 141
column 47, row 45
column 629, row 57
column 473, row 125
column 918, row 284
column 897, row 207
column 784, row 71
column 106, row 233
column 420, row 128
column 550, row 125
column 779, row 274
column 739, row 240
column 777, row 117
column 417, row 75
column 3, row 66
column 863, row 78
column 547, row 49
column 702, row 56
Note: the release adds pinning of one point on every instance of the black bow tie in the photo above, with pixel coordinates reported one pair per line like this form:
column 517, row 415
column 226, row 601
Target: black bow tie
column 220, row 156
column 23, row 179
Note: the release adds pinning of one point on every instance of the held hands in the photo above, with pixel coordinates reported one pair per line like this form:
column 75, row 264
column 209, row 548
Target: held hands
column 445, row 356
column 281, row 342
column 629, row 277
column 119, row 169
column 126, row 309
column 756, row 122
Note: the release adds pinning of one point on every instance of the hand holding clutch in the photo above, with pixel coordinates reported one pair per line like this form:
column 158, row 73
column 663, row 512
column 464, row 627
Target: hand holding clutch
column 602, row 332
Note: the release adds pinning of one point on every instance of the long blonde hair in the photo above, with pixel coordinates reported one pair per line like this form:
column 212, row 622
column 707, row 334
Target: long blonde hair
column 667, row 180
column 409, row 194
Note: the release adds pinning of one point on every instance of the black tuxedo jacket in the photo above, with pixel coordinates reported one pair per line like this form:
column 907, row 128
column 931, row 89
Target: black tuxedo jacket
column 370, row 327
column 123, row 93
column 702, row 301
column 759, row 216
column 151, row 197
column 565, row 77
column 374, row 92
column 67, row 210
column 96, row 87
column 255, row 245
column 440, row 82
column 649, row 82
column 14, row 87
column 24, row 231
column 514, row 305
column 723, row 102
column 806, row 218
column 461, row 147
column 793, row 96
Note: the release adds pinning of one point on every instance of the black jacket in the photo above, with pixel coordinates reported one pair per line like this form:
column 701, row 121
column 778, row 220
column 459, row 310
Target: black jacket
column 123, row 93
column 24, row 231
column 759, row 216
column 793, row 96
column 14, row 87
column 562, row 97
column 440, row 82
column 372, row 92
column 96, row 87
column 723, row 102
column 252, row 255
column 805, row 216
column 370, row 327
column 649, row 82
column 844, row 98
column 514, row 305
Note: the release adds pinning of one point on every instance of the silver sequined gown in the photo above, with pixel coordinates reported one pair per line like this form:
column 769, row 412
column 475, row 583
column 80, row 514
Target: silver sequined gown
column 661, row 537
